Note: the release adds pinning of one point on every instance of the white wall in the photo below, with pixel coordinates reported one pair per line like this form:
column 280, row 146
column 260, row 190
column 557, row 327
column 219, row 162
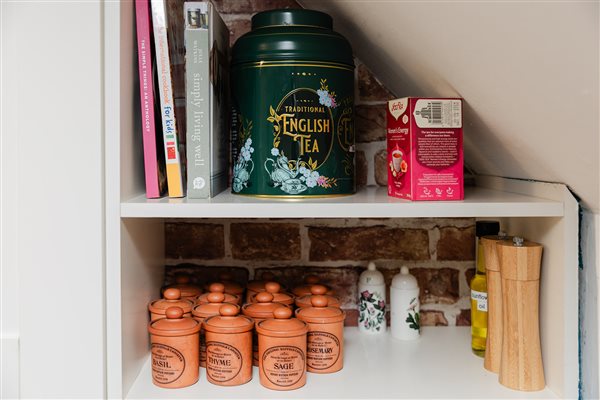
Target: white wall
column 52, row 208
column 589, row 281
column 528, row 71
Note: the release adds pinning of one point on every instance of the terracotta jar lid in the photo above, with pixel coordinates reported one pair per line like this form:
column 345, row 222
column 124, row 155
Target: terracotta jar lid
column 258, row 285
column 172, row 298
column 282, row 325
column 220, row 288
column 231, row 287
column 317, row 290
column 175, row 324
column 263, row 308
column 309, row 282
column 188, row 290
column 215, row 301
column 228, row 321
column 319, row 312
column 278, row 296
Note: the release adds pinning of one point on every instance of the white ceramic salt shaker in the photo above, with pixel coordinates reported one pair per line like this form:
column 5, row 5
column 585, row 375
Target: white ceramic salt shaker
column 404, row 306
column 371, row 301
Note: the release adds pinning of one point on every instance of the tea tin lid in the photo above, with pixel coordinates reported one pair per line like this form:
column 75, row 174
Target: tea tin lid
column 404, row 280
column 228, row 321
column 215, row 301
column 175, row 324
column 182, row 282
column 278, row 296
column 263, row 308
column 274, row 37
column 288, row 17
column 213, row 288
column 320, row 311
column 282, row 325
column 371, row 276
column 172, row 298
column 317, row 290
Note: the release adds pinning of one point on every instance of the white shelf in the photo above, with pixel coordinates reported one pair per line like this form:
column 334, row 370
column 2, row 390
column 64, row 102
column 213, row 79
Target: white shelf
column 370, row 202
column 439, row 365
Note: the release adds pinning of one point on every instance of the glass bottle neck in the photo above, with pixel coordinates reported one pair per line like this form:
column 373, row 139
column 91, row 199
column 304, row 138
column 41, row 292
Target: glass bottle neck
column 480, row 262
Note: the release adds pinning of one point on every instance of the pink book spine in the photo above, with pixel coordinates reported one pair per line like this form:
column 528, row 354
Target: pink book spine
column 144, row 39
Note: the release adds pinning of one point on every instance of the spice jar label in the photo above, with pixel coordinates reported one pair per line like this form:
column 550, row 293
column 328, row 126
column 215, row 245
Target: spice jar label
column 283, row 365
column 223, row 361
column 322, row 351
column 167, row 363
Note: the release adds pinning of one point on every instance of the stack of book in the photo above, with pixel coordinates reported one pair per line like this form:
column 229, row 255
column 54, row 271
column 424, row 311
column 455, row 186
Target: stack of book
column 183, row 55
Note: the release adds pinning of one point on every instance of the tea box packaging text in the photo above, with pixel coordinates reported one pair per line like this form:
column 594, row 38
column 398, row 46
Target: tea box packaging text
column 425, row 149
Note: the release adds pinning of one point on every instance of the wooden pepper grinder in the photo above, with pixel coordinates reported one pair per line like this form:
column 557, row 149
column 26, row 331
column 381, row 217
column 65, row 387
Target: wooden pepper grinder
column 521, row 365
column 493, row 346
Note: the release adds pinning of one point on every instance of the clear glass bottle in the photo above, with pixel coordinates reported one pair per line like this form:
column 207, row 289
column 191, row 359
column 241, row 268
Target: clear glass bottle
column 479, row 289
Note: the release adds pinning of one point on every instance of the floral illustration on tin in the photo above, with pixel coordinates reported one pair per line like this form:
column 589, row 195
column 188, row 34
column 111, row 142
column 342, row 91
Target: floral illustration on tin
column 371, row 311
column 291, row 176
column 413, row 319
column 326, row 97
column 244, row 165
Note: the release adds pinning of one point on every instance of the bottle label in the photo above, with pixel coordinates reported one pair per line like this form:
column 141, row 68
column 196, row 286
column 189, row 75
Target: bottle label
column 480, row 298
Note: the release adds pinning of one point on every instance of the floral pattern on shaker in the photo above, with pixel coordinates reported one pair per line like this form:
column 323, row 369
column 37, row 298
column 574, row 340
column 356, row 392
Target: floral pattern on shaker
column 413, row 318
column 371, row 311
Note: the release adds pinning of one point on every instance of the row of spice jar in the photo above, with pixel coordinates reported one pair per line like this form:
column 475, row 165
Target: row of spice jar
column 212, row 334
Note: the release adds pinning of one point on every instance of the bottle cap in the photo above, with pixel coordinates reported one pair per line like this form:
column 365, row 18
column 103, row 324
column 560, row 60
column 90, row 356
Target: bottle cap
column 404, row 280
column 486, row 228
column 371, row 276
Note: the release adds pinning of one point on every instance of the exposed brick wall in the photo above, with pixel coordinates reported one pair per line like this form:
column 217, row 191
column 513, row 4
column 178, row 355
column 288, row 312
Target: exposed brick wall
column 337, row 250
column 439, row 252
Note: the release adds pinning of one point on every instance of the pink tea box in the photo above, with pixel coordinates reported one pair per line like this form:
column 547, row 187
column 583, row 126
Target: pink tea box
column 425, row 149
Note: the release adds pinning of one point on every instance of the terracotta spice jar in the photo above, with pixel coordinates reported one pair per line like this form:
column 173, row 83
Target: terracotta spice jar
column 317, row 290
column 172, row 298
column 279, row 296
column 309, row 282
column 218, row 287
column 228, row 347
column 256, row 286
column 202, row 311
column 259, row 311
column 325, row 341
column 282, row 351
column 188, row 290
column 174, row 347
column 231, row 287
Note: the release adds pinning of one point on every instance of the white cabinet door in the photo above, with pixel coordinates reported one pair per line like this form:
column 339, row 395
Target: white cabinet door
column 52, row 200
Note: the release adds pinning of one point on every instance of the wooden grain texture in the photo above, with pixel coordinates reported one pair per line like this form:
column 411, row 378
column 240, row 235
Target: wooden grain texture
column 521, row 366
column 493, row 346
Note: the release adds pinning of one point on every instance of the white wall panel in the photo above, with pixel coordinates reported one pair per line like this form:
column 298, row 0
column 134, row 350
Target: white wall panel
column 56, row 174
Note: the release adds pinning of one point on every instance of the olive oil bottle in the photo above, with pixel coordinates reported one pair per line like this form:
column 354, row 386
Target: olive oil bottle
column 479, row 289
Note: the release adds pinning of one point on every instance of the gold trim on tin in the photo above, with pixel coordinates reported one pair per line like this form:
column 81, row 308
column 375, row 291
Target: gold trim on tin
column 292, row 197
column 265, row 64
column 288, row 26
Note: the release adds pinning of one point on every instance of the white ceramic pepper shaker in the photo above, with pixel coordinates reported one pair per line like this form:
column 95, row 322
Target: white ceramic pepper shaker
column 371, row 301
column 404, row 306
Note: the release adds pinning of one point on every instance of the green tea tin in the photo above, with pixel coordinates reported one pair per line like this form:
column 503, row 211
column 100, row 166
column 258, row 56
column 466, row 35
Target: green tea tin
column 293, row 107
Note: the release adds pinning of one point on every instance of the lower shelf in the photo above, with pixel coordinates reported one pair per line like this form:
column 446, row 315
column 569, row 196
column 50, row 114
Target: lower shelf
column 439, row 365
